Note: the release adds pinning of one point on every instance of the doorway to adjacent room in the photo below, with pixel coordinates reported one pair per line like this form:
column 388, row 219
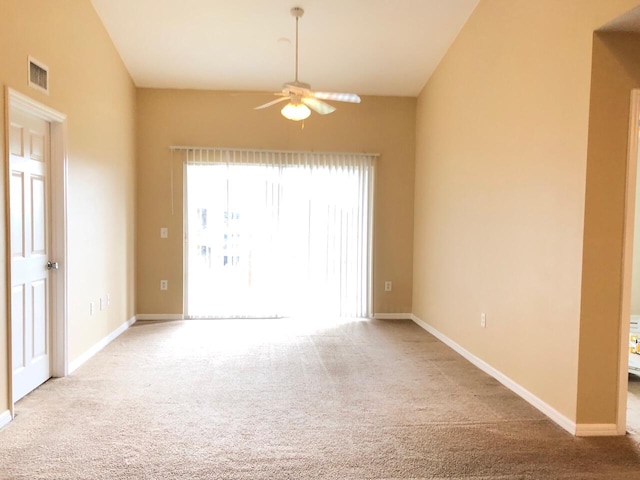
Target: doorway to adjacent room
column 629, row 386
column 37, row 243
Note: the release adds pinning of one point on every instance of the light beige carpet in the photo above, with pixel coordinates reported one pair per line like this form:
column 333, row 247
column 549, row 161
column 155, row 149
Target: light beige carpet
column 291, row 400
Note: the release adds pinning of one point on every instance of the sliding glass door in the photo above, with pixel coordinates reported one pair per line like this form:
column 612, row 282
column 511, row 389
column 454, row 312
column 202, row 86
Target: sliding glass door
column 278, row 235
column 231, row 241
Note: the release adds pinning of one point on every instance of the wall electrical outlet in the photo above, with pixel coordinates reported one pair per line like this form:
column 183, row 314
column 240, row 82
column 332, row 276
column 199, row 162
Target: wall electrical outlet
column 102, row 303
column 483, row 320
column 387, row 286
column 164, row 284
column 164, row 232
column 91, row 308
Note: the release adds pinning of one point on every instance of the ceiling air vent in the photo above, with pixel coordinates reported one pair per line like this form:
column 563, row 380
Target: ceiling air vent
column 38, row 75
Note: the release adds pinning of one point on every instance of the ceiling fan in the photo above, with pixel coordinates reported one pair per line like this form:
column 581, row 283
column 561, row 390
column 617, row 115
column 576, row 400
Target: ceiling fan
column 300, row 96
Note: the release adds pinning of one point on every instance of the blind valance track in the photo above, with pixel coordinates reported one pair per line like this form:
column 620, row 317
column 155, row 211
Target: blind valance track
column 310, row 159
column 249, row 152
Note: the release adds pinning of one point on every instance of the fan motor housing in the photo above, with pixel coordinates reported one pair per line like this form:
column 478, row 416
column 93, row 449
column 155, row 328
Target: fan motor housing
column 296, row 84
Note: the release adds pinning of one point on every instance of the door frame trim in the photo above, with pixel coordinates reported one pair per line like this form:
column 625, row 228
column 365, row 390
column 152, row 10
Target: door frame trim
column 627, row 260
column 15, row 100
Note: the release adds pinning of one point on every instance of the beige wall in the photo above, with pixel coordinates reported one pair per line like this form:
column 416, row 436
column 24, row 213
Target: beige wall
column 500, row 192
column 616, row 72
column 175, row 117
column 91, row 86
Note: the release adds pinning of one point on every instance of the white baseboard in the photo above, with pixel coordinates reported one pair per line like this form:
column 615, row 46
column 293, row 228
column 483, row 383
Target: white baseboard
column 393, row 316
column 159, row 316
column 5, row 418
column 596, row 430
column 548, row 410
column 100, row 345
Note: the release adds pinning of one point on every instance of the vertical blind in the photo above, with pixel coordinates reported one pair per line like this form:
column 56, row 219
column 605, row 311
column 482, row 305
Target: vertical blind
column 277, row 233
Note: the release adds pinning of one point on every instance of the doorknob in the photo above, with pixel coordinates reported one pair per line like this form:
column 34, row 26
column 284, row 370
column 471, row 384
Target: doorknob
column 52, row 265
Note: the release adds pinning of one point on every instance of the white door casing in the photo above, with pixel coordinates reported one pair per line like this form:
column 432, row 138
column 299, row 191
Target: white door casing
column 29, row 157
column 18, row 102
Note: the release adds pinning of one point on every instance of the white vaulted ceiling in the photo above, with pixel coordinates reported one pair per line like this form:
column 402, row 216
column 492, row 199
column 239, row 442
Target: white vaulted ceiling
column 371, row 47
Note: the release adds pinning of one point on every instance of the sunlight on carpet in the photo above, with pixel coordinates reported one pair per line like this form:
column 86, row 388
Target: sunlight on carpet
column 291, row 399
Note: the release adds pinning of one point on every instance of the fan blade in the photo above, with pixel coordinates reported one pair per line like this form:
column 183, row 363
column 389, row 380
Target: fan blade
column 264, row 94
column 273, row 102
column 318, row 106
column 338, row 97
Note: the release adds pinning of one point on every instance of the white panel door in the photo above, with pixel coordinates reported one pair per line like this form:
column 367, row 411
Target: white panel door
column 30, row 310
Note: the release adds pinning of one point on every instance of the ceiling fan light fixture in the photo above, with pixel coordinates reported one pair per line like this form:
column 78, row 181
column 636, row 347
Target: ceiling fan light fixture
column 300, row 96
column 295, row 111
